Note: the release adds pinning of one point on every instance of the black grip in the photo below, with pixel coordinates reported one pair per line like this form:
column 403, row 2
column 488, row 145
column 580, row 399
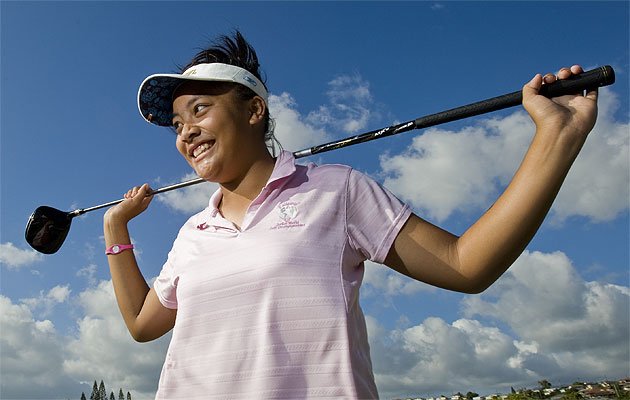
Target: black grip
column 594, row 78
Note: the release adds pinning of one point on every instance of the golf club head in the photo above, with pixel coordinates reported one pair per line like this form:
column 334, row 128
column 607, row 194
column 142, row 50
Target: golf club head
column 47, row 228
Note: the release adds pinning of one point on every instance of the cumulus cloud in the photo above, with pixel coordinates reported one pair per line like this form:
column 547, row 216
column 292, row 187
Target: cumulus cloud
column 443, row 171
column 190, row 199
column 293, row 131
column 598, row 184
column 38, row 362
column 348, row 106
column 104, row 348
column 385, row 283
column 15, row 258
column 88, row 272
column 585, row 325
column 31, row 356
column 436, row 357
column 46, row 302
column 560, row 327
column 446, row 171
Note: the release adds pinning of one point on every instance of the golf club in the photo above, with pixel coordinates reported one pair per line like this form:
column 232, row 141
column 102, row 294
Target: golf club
column 48, row 227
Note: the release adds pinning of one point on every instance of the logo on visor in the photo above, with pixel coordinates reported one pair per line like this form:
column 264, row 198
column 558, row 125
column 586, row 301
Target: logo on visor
column 250, row 80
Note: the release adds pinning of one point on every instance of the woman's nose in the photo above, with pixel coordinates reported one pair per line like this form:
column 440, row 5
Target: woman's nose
column 189, row 132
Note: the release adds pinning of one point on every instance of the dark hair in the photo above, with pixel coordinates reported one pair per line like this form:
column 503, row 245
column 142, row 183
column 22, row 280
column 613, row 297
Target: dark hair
column 237, row 51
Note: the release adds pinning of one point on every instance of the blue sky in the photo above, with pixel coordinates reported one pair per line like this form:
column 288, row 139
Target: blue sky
column 71, row 137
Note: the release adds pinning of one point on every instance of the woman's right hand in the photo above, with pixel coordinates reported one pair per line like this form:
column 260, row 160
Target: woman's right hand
column 136, row 201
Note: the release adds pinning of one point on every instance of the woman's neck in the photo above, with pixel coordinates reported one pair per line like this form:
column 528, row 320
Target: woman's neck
column 239, row 194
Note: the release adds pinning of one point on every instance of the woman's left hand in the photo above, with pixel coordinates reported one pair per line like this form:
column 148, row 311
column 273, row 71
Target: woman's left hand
column 572, row 115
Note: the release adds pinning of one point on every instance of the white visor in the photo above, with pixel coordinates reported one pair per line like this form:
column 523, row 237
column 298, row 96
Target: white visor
column 155, row 96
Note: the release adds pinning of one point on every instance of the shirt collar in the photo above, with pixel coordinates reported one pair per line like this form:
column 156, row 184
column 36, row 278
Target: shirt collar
column 283, row 168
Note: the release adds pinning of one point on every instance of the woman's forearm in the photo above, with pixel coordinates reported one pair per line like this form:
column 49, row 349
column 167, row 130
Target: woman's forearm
column 492, row 244
column 130, row 286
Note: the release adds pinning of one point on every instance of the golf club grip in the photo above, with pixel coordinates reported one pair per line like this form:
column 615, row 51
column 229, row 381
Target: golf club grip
column 597, row 77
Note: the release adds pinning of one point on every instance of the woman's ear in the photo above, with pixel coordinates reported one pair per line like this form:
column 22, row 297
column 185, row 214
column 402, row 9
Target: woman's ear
column 257, row 108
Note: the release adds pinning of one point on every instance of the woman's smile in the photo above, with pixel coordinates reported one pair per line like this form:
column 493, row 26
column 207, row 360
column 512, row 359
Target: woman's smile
column 201, row 149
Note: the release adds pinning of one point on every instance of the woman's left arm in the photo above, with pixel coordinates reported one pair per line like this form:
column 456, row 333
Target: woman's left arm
column 472, row 262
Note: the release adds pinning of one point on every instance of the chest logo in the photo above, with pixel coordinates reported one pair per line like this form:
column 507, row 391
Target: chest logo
column 288, row 213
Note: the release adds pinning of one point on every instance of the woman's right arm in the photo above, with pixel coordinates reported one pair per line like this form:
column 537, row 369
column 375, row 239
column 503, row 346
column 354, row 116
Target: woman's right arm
column 145, row 316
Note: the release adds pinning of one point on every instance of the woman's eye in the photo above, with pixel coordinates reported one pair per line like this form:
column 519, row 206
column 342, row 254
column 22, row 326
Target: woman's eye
column 199, row 107
column 177, row 126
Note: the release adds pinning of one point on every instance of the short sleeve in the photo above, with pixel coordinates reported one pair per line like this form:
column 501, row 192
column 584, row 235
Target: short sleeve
column 165, row 285
column 374, row 216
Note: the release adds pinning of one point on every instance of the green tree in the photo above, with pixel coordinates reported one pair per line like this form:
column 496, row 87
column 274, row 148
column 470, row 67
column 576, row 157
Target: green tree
column 518, row 396
column 83, row 396
column 95, row 395
column 128, row 396
column 102, row 393
column 121, row 395
column 573, row 395
column 471, row 395
column 544, row 384
column 111, row 396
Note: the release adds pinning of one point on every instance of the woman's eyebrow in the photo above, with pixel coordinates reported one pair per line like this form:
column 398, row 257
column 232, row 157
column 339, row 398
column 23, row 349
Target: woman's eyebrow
column 188, row 104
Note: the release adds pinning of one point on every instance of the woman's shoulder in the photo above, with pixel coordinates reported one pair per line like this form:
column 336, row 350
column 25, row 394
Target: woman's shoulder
column 326, row 169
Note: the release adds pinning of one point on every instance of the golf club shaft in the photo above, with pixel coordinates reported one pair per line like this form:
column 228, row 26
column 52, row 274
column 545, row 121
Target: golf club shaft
column 594, row 78
column 160, row 190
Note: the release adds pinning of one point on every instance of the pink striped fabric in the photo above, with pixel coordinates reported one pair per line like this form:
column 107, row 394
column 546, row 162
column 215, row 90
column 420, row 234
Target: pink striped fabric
column 272, row 310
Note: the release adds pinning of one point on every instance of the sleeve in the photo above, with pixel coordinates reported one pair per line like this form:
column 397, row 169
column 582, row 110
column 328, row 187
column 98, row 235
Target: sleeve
column 374, row 216
column 165, row 285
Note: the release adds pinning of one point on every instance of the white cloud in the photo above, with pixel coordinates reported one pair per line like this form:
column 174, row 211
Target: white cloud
column 545, row 302
column 38, row 362
column 385, row 283
column 443, row 171
column 560, row 328
column 190, row 199
column 14, row 257
column 31, row 356
column 598, row 184
column 292, row 130
column 104, row 348
column 348, row 106
column 435, row 358
column 88, row 272
column 46, row 302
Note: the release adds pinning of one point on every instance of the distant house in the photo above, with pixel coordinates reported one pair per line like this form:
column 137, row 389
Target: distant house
column 599, row 392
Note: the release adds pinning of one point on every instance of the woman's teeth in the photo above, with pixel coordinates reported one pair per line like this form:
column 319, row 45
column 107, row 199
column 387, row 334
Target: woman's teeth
column 200, row 149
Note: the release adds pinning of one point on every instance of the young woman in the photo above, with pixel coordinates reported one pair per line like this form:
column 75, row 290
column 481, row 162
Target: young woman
column 262, row 287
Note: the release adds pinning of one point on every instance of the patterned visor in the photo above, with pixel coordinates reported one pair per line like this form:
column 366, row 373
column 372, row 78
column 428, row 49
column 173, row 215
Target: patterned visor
column 155, row 97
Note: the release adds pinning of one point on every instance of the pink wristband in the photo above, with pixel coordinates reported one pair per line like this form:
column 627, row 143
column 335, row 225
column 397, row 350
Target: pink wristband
column 117, row 248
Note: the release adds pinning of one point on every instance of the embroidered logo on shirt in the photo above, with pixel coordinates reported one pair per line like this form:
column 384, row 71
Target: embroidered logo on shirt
column 288, row 212
column 203, row 227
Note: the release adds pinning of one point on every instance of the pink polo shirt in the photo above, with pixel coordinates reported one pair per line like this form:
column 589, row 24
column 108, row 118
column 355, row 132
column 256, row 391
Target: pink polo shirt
column 272, row 310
